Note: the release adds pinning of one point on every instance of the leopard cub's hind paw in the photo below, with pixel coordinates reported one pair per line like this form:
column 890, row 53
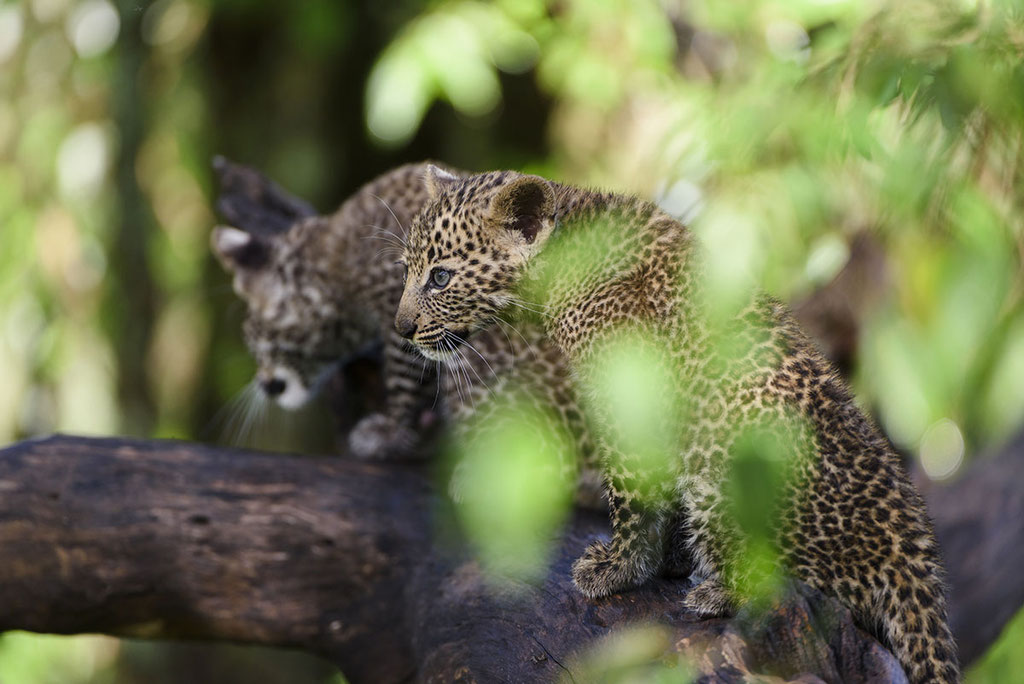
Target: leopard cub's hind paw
column 710, row 598
column 377, row 437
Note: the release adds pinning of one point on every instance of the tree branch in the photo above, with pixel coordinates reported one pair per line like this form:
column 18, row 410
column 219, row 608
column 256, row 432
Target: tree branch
column 179, row 540
column 979, row 521
column 170, row 539
column 182, row 540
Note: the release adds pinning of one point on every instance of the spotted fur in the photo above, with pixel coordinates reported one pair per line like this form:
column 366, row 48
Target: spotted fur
column 326, row 290
column 321, row 292
column 592, row 269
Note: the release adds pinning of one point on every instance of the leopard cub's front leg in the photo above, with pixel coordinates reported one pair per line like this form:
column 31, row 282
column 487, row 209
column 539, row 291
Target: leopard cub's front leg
column 398, row 431
column 380, row 436
column 634, row 554
column 710, row 598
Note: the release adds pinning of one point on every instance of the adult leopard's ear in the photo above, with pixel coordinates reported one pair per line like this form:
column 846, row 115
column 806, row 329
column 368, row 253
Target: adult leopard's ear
column 238, row 250
column 523, row 205
column 437, row 180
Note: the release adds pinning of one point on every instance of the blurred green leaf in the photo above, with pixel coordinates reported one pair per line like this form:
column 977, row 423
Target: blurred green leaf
column 453, row 53
column 515, row 491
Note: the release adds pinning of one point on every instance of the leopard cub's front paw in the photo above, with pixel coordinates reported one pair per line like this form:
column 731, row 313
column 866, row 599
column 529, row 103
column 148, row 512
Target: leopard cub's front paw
column 597, row 573
column 378, row 437
column 710, row 599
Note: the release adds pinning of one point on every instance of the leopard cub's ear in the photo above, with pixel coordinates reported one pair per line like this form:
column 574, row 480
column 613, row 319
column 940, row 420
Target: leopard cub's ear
column 524, row 205
column 239, row 250
column 437, row 180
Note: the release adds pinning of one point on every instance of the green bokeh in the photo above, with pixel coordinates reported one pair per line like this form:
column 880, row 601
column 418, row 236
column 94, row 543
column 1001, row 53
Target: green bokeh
column 802, row 124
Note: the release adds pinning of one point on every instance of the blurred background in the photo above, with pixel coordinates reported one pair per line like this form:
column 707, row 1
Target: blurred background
column 793, row 134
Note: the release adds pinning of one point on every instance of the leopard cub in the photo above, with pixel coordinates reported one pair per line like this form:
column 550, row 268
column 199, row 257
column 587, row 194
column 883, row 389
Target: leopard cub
column 322, row 292
column 594, row 269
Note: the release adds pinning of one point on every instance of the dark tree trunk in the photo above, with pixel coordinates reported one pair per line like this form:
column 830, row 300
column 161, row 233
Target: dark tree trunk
column 979, row 520
column 170, row 539
column 179, row 540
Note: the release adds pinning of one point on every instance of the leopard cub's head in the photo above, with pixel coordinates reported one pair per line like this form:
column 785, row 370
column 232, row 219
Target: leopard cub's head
column 466, row 252
column 292, row 327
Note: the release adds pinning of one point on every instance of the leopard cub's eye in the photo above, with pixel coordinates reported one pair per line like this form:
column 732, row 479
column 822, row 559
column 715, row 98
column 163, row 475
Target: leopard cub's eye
column 439, row 277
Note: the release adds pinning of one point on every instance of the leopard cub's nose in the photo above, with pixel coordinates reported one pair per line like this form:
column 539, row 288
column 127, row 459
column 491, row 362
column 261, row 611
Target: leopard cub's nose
column 274, row 386
column 406, row 327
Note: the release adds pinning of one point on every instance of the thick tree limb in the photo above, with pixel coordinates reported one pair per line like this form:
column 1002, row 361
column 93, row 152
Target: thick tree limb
column 180, row 540
column 168, row 539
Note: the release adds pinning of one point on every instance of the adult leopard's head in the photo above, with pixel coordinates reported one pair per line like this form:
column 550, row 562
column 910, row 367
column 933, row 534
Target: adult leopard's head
column 466, row 253
column 292, row 327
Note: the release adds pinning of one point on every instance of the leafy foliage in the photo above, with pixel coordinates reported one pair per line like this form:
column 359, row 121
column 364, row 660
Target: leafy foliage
column 780, row 130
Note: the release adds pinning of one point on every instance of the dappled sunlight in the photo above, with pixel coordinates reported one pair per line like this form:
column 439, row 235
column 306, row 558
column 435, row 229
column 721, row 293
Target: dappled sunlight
column 942, row 449
column 174, row 26
column 92, row 27
column 11, row 27
column 83, row 160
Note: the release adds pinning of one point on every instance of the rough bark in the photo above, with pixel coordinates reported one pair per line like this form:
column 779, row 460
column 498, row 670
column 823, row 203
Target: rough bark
column 170, row 539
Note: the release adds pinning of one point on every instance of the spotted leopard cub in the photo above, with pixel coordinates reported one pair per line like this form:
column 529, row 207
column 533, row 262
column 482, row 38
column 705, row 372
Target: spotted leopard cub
column 593, row 269
column 325, row 291
column 327, row 288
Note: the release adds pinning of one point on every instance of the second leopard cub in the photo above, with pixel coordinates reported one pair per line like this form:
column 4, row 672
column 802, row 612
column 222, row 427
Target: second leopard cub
column 327, row 288
column 324, row 291
column 593, row 269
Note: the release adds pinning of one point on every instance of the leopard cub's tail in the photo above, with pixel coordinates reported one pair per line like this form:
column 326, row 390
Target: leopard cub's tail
column 914, row 621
